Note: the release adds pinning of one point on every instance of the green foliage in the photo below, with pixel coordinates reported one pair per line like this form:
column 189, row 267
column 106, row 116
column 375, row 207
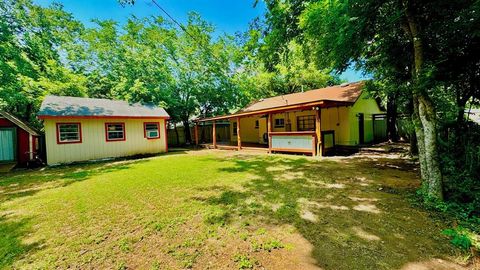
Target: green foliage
column 460, row 159
column 459, row 237
column 34, row 56
column 379, row 37
column 46, row 51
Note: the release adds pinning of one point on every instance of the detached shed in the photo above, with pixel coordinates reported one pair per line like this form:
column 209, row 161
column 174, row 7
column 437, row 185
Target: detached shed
column 18, row 140
column 80, row 129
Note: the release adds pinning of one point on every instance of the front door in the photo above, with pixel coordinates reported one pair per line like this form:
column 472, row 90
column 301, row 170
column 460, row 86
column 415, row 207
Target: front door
column 361, row 126
column 7, row 144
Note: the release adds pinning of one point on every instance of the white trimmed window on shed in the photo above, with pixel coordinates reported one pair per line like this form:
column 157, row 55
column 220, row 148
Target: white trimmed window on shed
column 69, row 133
column 115, row 131
column 151, row 130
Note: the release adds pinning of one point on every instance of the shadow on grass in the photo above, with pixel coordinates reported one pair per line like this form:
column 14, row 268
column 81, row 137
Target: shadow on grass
column 28, row 182
column 355, row 212
column 24, row 183
column 12, row 244
column 14, row 233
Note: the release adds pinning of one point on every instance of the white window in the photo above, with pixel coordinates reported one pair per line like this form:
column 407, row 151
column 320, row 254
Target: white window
column 69, row 133
column 115, row 131
column 279, row 123
column 152, row 130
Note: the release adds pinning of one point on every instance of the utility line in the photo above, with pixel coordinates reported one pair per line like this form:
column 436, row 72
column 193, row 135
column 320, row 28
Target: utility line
column 199, row 42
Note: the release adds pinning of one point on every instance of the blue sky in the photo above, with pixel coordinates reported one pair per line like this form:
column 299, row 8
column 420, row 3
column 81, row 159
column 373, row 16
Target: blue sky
column 228, row 16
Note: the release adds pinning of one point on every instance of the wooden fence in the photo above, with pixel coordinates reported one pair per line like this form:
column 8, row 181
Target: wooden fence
column 204, row 132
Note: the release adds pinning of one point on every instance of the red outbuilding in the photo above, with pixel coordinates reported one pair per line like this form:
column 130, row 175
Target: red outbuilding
column 19, row 142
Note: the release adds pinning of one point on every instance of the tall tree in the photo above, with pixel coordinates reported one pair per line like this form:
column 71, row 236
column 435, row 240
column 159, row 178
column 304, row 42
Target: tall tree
column 402, row 42
column 33, row 53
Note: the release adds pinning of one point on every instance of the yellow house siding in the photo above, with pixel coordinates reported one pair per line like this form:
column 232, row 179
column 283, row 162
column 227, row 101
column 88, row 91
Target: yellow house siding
column 334, row 118
column 337, row 119
column 248, row 132
column 368, row 106
column 94, row 144
column 342, row 120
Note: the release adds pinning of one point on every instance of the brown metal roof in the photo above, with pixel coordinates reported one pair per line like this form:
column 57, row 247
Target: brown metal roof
column 347, row 93
column 339, row 93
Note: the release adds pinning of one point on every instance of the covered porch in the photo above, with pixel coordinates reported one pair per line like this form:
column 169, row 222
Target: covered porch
column 289, row 129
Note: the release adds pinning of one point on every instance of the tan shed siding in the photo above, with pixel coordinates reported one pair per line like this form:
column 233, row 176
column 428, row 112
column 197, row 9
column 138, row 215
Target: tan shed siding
column 94, row 144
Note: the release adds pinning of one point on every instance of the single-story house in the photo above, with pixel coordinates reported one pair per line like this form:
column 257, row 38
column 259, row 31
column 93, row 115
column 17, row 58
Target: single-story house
column 311, row 122
column 80, row 129
column 18, row 140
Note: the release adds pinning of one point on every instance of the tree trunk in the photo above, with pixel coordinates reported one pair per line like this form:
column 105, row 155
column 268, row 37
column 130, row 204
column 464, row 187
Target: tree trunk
column 202, row 132
column 177, row 137
column 412, row 135
column 413, row 144
column 392, row 117
column 28, row 112
column 420, row 139
column 425, row 118
column 188, row 136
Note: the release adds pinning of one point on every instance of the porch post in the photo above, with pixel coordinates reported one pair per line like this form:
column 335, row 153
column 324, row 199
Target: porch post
column 239, row 139
column 318, row 130
column 214, row 135
column 196, row 133
column 269, row 129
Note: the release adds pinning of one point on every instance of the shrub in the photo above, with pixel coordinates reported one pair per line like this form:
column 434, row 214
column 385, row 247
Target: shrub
column 459, row 237
column 460, row 163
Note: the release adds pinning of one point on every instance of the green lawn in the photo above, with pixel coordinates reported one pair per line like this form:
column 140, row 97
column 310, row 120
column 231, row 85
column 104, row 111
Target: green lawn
column 218, row 210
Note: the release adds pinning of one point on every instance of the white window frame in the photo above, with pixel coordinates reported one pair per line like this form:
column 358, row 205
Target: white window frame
column 78, row 132
column 107, row 132
column 145, row 130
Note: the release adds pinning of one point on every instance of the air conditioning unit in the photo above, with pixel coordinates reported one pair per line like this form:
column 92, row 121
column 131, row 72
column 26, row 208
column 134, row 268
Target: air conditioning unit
column 152, row 133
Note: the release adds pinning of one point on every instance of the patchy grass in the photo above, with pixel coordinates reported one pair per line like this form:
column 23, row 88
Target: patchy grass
column 244, row 262
column 220, row 210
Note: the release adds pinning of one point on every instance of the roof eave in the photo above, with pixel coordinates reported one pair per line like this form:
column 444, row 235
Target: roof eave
column 322, row 103
column 23, row 125
column 262, row 111
column 43, row 117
